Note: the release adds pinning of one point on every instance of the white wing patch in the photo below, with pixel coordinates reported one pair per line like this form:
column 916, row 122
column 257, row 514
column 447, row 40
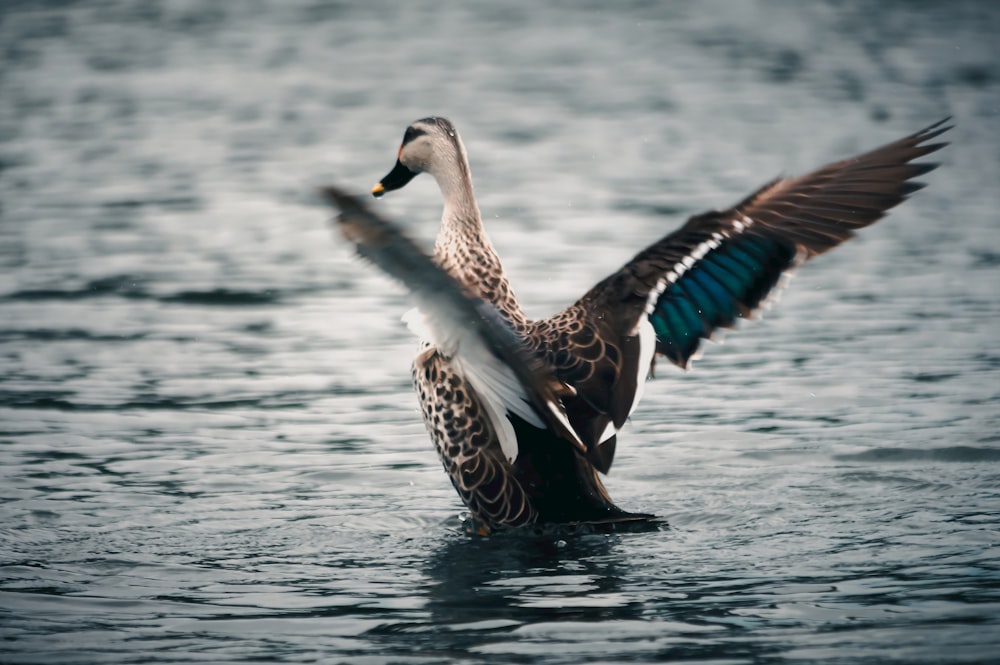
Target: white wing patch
column 414, row 320
column 489, row 377
column 647, row 348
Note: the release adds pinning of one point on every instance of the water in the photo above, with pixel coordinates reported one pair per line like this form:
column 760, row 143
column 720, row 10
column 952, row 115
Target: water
column 210, row 451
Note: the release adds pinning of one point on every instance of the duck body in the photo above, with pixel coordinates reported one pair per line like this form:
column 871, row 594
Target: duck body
column 547, row 482
column 525, row 414
column 509, row 468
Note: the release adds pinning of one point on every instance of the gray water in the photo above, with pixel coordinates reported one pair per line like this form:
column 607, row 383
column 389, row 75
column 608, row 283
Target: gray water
column 209, row 448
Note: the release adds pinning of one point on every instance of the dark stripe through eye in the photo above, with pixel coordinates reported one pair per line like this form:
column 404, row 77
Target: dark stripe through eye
column 412, row 133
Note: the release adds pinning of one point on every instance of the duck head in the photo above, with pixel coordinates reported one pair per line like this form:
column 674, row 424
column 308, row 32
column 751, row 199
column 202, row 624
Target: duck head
column 431, row 145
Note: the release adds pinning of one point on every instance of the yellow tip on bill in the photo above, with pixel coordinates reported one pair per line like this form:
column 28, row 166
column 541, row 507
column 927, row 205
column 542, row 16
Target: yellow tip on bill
column 378, row 189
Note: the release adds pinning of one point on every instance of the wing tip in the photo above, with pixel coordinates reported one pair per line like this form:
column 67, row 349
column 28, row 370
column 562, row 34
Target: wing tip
column 935, row 129
column 337, row 196
column 349, row 203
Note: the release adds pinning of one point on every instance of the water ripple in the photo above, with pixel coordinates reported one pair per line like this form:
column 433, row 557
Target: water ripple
column 209, row 448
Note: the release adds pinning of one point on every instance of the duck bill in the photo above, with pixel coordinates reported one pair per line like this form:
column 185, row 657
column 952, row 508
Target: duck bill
column 396, row 178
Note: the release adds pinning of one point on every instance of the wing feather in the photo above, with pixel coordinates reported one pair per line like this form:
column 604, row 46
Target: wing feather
column 459, row 316
column 719, row 267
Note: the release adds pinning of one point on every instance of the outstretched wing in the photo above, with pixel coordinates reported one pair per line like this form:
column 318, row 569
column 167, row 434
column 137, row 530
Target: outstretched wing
column 495, row 357
column 719, row 267
column 722, row 265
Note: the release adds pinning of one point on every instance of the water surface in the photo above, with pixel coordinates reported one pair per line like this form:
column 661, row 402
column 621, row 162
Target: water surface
column 209, row 448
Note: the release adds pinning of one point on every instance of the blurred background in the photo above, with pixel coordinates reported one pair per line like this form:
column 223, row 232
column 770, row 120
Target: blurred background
column 209, row 447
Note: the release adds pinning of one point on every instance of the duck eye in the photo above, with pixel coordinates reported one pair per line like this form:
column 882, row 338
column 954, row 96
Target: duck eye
column 412, row 133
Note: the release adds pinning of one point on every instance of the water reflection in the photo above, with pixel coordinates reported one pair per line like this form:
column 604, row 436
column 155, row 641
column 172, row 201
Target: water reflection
column 532, row 596
column 513, row 574
column 482, row 591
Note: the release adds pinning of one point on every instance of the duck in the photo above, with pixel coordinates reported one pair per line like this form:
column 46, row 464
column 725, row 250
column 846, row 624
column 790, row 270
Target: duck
column 525, row 414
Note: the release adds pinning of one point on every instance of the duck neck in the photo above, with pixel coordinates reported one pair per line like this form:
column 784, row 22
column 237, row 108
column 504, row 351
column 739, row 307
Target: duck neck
column 461, row 222
column 463, row 248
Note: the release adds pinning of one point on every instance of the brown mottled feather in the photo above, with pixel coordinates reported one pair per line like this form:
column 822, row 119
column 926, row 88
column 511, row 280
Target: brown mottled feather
column 467, row 444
